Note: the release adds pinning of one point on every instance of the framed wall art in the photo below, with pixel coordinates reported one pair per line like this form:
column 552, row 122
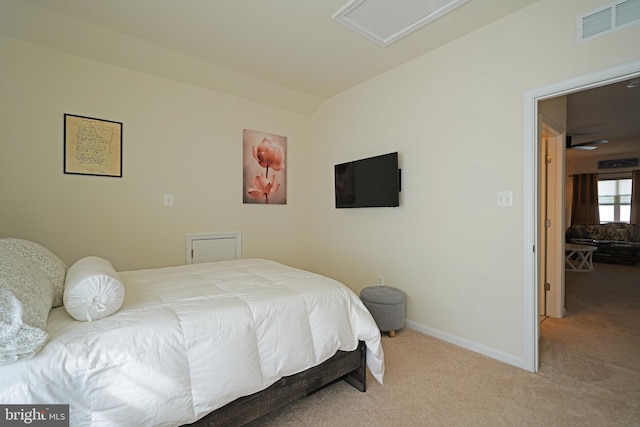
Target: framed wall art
column 618, row 163
column 264, row 168
column 92, row 146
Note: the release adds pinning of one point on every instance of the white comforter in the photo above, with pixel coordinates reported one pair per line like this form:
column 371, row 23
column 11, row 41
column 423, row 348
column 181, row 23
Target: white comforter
column 190, row 339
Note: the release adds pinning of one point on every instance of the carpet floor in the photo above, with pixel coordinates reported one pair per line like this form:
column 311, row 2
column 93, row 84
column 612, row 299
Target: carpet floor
column 589, row 372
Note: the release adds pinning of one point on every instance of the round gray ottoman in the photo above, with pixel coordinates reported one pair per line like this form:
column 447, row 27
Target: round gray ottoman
column 386, row 305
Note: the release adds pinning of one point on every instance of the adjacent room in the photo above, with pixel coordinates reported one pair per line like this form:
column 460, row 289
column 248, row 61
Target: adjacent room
column 193, row 156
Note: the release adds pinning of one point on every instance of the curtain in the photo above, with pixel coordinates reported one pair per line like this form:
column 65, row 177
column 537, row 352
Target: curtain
column 635, row 197
column 584, row 206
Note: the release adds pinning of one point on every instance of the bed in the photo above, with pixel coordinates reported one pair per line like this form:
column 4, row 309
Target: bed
column 197, row 343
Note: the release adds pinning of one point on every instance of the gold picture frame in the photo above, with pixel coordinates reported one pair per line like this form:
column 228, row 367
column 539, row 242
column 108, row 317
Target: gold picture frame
column 92, row 146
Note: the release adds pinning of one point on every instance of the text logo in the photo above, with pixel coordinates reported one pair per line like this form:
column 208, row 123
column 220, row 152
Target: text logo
column 34, row 415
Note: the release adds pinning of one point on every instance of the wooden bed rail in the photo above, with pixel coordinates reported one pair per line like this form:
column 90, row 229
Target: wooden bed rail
column 350, row 366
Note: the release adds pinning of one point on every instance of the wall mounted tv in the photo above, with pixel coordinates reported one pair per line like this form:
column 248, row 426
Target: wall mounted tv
column 368, row 183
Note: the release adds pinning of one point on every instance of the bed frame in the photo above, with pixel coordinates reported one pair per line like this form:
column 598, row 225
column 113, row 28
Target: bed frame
column 350, row 366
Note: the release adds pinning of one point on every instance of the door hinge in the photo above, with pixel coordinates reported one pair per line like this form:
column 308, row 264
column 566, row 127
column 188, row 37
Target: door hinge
column 547, row 286
column 547, row 223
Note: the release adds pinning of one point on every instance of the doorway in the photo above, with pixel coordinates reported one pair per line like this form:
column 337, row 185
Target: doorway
column 532, row 191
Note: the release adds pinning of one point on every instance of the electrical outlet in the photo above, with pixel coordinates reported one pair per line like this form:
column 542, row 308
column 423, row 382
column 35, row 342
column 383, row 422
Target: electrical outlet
column 505, row 199
column 380, row 279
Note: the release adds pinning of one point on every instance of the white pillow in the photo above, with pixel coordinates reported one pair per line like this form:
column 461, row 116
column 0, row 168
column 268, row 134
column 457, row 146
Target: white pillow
column 92, row 289
column 30, row 276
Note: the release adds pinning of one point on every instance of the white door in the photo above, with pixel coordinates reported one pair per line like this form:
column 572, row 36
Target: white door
column 552, row 217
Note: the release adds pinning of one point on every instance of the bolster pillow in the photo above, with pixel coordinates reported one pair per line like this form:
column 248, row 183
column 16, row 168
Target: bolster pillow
column 92, row 290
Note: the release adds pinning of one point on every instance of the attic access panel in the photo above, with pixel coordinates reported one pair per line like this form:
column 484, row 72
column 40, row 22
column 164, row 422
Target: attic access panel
column 385, row 21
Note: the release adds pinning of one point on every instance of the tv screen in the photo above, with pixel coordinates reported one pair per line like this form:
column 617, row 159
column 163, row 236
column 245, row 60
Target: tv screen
column 368, row 183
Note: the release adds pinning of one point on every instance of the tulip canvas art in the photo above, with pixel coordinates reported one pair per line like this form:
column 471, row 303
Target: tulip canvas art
column 264, row 169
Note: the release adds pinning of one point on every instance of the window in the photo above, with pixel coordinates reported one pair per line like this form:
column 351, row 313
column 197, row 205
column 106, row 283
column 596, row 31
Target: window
column 614, row 200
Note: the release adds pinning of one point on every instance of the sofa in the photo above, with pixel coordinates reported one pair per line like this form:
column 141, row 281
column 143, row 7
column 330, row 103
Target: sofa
column 613, row 232
column 616, row 242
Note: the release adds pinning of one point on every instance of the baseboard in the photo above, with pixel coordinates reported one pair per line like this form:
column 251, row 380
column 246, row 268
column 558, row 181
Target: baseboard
column 469, row 345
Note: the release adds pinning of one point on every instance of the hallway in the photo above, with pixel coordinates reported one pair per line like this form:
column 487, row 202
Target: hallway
column 596, row 347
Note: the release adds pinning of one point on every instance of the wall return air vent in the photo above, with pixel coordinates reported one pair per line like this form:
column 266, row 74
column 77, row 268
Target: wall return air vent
column 608, row 19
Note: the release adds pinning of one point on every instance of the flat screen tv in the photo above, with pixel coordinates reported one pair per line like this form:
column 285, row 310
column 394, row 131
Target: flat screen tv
column 368, row 183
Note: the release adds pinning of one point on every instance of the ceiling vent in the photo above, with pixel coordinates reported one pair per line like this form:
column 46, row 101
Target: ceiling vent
column 385, row 21
column 608, row 19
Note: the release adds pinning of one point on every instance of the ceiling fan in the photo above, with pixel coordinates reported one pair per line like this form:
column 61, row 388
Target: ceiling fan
column 589, row 145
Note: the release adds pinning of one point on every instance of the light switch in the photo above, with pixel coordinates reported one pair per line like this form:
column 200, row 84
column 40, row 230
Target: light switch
column 168, row 199
column 505, row 199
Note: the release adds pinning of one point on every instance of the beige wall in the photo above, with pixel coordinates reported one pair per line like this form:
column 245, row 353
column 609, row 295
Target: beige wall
column 177, row 139
column 456, row 117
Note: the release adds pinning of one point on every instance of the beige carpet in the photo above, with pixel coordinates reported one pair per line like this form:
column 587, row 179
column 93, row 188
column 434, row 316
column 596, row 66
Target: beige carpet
column 589, row 373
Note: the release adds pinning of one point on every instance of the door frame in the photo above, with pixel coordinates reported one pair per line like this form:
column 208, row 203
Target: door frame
column 531, row 168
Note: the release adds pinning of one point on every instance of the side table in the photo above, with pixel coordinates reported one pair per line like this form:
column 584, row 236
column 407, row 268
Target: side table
column 579, row 257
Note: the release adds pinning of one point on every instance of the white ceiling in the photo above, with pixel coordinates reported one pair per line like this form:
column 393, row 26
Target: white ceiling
column 610, row 112
column 293, row 45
